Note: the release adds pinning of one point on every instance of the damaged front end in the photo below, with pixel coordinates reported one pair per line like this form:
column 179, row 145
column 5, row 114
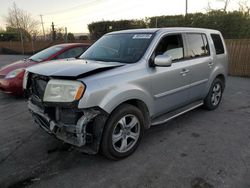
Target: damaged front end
column 74, row 134
column 79, row 127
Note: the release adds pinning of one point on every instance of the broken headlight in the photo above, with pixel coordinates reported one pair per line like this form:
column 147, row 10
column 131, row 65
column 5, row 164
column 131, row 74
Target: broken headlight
column 63, row 91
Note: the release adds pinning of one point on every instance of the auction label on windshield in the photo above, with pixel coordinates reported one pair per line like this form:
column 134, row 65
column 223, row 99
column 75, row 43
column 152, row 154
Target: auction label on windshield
column 142, row 36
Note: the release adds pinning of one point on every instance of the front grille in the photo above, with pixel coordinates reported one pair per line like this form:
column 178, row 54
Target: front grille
column 38, row 85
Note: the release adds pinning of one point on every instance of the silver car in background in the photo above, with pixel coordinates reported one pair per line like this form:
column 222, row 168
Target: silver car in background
column 125, row 83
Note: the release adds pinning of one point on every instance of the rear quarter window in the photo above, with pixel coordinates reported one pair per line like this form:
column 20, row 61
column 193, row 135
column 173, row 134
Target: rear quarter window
column 219, row 48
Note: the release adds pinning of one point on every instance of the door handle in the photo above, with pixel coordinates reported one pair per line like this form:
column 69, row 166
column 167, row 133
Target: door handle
column 184, row 72
column 210, row 64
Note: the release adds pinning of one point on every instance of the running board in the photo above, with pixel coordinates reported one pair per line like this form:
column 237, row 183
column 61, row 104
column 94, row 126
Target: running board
column 173, row 114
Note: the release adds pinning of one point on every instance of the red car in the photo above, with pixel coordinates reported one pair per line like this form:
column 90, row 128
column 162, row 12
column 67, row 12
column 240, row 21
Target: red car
column 11, row 76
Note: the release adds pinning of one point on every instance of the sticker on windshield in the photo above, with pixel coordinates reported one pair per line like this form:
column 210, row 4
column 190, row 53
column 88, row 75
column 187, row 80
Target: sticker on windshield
column 142, row 36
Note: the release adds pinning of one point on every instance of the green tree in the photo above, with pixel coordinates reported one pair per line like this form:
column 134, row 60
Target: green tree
column 71, row 37
column 97, row 29
column 234, row 24
column 59, row 34
column 83, row 37
column 17, row 31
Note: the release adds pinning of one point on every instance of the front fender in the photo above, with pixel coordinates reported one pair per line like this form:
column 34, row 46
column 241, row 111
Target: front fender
column 121, row 95
column 109, row 99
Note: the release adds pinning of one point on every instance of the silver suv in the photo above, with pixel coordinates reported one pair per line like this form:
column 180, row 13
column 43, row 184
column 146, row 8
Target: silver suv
column 125, row 83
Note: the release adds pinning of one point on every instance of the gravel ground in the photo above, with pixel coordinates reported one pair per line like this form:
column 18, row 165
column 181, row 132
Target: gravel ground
column 201, row 149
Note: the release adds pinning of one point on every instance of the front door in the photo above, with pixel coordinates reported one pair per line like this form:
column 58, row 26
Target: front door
column 170, row 84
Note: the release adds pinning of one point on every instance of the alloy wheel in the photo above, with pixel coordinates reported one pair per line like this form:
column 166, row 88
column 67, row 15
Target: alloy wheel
column 216, row 94
column 126, row 133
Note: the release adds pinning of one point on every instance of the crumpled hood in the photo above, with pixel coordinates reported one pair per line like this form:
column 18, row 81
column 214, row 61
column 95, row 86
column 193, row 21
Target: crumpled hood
column 73, row 68
column 16, row 65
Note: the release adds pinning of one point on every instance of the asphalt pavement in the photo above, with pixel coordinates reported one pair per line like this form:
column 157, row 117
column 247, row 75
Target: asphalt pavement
column 201, row 149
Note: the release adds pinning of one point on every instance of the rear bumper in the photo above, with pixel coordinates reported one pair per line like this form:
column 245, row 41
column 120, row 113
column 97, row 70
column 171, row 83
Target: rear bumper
column 73, row 134
column 11, row 86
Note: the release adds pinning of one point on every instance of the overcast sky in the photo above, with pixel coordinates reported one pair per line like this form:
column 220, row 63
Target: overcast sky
column 76, row 14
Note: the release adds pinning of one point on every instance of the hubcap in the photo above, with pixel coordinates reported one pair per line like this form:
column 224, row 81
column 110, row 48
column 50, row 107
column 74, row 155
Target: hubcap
column 126, row 133
column 216, row 94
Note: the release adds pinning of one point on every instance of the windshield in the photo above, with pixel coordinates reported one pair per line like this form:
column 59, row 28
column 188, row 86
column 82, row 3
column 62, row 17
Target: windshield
column 44, row 54
column 124, row 48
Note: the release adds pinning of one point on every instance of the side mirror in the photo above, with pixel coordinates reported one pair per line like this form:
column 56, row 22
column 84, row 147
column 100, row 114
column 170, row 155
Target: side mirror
column 163, row 61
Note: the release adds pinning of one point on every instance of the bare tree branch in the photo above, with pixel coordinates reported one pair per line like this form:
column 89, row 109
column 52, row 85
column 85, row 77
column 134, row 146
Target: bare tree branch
column 209, row 8
column 225, row 2
column 20, row 19
column 244, row 6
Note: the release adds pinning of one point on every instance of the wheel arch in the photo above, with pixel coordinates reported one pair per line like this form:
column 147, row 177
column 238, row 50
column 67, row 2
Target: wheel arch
column 222, row 78
column 219, row 72
column 142, row 107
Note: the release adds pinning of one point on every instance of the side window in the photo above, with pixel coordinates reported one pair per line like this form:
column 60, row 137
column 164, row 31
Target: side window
column 73, row 52
column 219, row 48
column 171, row 45
column 198, row 45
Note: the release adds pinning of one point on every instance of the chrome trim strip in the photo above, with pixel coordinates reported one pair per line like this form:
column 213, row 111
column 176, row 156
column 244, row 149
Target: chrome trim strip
column 198, row 82
column 180, row 89
column 171, row 91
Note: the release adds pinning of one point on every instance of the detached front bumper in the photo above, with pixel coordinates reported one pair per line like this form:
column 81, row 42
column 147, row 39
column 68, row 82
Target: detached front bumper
column 74, row 134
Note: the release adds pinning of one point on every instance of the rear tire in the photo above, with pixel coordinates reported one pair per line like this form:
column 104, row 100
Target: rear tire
column 214, row 96
column 123, row 132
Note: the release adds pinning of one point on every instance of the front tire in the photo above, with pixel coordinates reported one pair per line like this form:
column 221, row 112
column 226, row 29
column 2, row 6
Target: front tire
column 123, row 132
column 214, row 96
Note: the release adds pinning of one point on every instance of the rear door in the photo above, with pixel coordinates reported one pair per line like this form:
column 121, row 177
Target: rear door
column 200, row 64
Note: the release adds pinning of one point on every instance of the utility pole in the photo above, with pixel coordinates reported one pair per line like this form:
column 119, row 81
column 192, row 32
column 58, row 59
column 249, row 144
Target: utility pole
column 66, row 35
column 53, row 32
column 186, row 12
column 32, row 44
column 156, row 22
column 21, row 32
column 41, row 16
